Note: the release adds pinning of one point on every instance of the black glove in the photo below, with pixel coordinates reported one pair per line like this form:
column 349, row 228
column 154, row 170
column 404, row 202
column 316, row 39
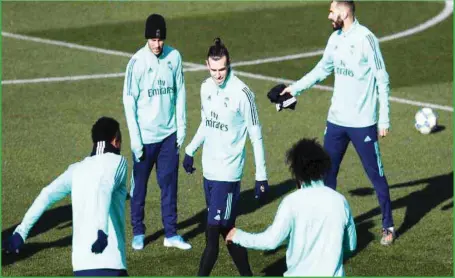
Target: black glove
column 261, row 189
column 100, row 244
column 188, row 164
column 14, row 243
column 142, row 158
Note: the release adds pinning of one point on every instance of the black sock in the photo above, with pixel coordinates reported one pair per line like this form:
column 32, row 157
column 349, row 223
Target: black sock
column 239, row 255
column 210, row 254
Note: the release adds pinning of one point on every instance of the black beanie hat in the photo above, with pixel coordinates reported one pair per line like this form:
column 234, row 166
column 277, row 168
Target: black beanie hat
column 285, row 101
column 155, row 27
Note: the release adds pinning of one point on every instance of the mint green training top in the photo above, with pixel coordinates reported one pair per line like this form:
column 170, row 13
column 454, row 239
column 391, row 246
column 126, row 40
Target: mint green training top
column 97, row 186
column 361, row 79
column 318, row 222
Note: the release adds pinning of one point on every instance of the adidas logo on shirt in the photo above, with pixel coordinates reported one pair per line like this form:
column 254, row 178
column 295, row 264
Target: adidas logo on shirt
column 367, row 139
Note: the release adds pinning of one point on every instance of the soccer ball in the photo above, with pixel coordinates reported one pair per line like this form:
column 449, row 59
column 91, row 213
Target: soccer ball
column 426, row 120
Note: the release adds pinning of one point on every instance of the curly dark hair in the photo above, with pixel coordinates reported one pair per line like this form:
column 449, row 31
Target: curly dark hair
column 106, row 129
column 307, row 161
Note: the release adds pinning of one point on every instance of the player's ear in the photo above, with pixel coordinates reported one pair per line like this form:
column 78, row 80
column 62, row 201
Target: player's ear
column 117, row 141
column 227, row 64
column 207, row 64
column 344, row 15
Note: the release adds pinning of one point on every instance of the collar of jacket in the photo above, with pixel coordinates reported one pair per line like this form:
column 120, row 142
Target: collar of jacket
column 102, row 147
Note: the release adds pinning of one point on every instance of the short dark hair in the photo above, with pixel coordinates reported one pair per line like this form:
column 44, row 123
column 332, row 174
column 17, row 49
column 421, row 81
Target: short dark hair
column 106, row 129
column 218, row 50
column 349, row 4
column 307, row 161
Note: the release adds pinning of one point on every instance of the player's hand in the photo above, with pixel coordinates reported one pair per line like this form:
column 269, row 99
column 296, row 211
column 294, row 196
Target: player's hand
column 383, row 132
column 287, row 90
column 230, row 235
column 188, row 164
column 141, row 157
column 14, row 244
column 100, row 244
column 261, row 189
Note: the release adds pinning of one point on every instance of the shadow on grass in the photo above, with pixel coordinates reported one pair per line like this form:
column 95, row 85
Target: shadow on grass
column 59, row 217
column 439, row 128
column 418, row 204
column 247, row 204
column 448, row 206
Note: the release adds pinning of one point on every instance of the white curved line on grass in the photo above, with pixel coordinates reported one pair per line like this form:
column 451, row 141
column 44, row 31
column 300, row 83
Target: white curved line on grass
column 240, row 73
column 63, row 78
column 445, row 13
column 73, row 78
column 329, row 88
column 78, row 46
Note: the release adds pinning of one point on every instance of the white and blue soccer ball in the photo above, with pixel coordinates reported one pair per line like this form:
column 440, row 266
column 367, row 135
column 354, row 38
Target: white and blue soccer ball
column 426, row 120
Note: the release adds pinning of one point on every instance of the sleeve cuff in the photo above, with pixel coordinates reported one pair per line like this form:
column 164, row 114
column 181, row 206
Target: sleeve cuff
column 237, row 236
column 189, row 151
column 383, row 125
column 20, row 232
column 138, row 154
column 262, row 177
column 293, row 91
column 180, row 136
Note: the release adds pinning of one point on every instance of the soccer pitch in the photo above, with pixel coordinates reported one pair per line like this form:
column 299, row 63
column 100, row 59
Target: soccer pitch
column 62, row 66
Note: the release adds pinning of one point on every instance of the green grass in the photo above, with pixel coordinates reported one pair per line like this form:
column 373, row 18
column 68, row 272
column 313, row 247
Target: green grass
column 62, row 14
column 306, row 28
column 424, row 58
column 46, row 126
column 70, row 62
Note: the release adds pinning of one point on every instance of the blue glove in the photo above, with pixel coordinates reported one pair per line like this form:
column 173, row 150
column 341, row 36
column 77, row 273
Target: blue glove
column 188, row 164
column 14, row 243
column 261, row 189
column 100, row 244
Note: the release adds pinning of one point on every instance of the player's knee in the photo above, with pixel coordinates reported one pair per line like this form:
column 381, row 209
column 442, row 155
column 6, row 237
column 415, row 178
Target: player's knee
column 169, row 178
column 213, row 234
column 375, row 174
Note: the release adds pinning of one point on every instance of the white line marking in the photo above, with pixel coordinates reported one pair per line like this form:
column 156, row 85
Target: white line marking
column 64, row 78
column 279, row 58
column 239, row 73
column 445, row 13
column 198, row 68
column 74, row 77
column 328, row 88
column 421, row 104
column 79, row 47
column 67, row 44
